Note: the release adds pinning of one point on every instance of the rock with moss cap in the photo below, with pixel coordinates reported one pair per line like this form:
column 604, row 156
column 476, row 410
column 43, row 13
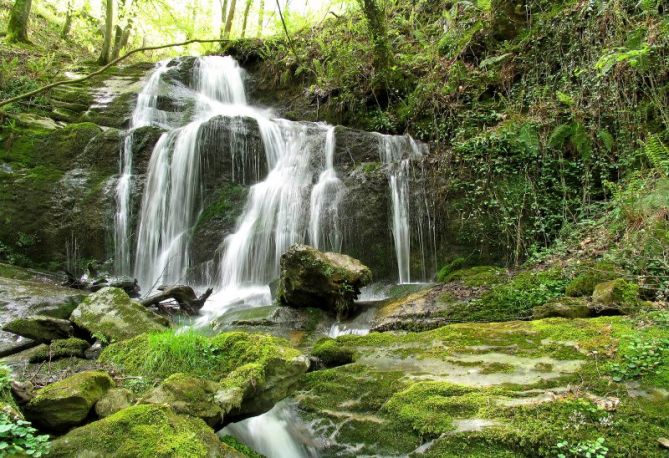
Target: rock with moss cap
column 188, row 395
column 58, row 349
column 564, row 307
column 111, row 313
column 143, row 431
column 330, row 281
column 114, row 400
column 67, row 403
column 40, row 327
column 616, row 297
column 331, row 354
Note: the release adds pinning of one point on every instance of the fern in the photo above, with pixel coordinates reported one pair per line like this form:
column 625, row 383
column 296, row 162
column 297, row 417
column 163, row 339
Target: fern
column 560, row 135
column 657, row 153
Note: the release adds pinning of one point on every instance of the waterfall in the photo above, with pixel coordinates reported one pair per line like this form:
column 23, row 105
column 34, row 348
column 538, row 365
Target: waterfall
column 324, row 231
column 394, row 154
column 145, row 114
column 172, row 193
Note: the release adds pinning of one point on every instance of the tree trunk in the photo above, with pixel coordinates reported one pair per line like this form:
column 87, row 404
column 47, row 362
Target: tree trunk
column 261, row 17
column 67, row 27
column 231, row 17
column 376, row 25
column 109, row 32
column 247, row 8
column 123, row 34
column 17, row 29
column 224, row 16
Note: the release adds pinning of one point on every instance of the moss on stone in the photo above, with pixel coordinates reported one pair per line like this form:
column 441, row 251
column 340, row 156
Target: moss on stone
column 478, row 276
column 242, row 448
column 143, row 431
column 564, row 307
column 67, row 403
column 584, row 283
column 40, row 328
column 331, row 354
column 619, row 292
column 114, row 400
column 61, row 348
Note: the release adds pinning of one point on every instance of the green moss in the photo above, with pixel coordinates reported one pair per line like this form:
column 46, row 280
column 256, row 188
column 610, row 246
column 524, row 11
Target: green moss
column 449, row 268
column 331, row 353
column 245, row 450
column 584, row 283
column 160, row 355
column 142, row 431
column 616, row 292
column 478, row 275
column 227, row 206
column 60, row 348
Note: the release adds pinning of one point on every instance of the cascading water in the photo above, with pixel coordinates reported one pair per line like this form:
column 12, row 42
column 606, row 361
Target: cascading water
column 145, row 114
column 394, row 155
column 324, row 231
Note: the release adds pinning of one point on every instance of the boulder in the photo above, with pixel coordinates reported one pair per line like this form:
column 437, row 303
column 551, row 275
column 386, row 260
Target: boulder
column 332, row 354
column 60, row 348
column 615, row 297
column 110, row 312
column 143, row 431
column 564, row 307
column 330, row 281
column 40, row 327
column 114, row 400
column 188, row 395
column 67, row 403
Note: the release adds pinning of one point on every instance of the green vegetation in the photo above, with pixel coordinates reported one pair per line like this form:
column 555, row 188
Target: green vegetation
column 159, row 355
column 477, row 276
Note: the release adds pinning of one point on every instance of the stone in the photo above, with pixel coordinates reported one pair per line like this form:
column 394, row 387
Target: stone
column 330, row 281
column 40, row 327
column 331, row 354
column 110, row 312
column 188, row 395
column 60, row 348
column 114, row 400
column 143, row 431
column 67, row 403
column 615, row 297
column 564, row 307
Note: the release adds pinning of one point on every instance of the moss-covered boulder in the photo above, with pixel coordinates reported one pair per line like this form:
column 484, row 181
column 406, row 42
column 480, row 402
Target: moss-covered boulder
column 143, row 431
column 41, row 328
column 583, row 284
column 111, row 313
column 564, row 307
column 114, row 400
column 331, row 354
column 60, row 348
column 188, row 395
column 616, row 296
column 67, row 403
column 330, row 281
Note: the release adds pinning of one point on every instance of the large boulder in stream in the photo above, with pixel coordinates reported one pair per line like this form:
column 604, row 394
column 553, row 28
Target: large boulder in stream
column 67, row 403
column 111, row 313
column 40, row 327
column 330, row 281
column 143, row 431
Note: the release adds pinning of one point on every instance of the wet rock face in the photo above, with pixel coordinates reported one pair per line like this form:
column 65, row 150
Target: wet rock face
column 330, row 281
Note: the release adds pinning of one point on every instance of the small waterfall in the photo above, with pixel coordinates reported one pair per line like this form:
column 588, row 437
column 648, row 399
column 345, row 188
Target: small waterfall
column 145, row 114
column 394, row 154
column 324, row 231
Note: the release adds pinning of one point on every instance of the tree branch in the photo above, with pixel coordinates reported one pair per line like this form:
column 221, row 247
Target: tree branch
column 103, row 69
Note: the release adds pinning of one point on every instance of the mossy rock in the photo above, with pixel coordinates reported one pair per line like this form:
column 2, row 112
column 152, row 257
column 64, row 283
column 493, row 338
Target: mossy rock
column 67, row 403
column 41, row 328
column 478, row 276
column 330, row 281
column 61, row 348
column 584, row 283
column 115, row 400
column 188, row 395
column 111, row 313
column 616, row 295
column 143, row 431
column 331, row 354
column 564, row 307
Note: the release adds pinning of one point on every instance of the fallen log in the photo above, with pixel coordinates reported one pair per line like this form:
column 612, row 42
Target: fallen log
column 184, row 295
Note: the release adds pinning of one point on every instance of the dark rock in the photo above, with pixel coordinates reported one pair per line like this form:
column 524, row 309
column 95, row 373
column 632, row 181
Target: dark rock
column 40, row 328
column 114, row 400
column 330, row 281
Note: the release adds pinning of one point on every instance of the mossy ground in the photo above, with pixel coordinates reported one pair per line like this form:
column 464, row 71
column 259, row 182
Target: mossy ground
column 496, row 389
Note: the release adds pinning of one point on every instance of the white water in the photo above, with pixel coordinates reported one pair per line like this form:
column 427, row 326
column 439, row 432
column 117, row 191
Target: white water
column 394, row 154
column 324, row 228
column 145, row 114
